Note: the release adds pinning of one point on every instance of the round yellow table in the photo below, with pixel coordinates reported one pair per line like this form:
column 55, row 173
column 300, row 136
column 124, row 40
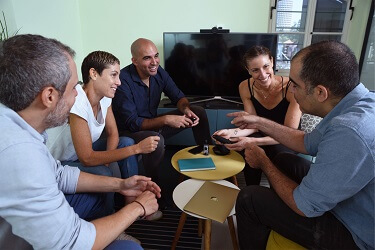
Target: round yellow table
column 226, row 165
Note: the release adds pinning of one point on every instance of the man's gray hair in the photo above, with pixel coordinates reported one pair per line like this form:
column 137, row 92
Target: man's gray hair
column 30, row 63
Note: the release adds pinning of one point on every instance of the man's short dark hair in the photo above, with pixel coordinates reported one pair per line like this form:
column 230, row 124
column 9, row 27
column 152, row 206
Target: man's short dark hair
column 30, row 63
column 331, row 64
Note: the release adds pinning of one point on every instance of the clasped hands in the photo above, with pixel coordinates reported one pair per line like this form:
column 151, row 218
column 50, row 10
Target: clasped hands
column 145, row 191
column 187, row 120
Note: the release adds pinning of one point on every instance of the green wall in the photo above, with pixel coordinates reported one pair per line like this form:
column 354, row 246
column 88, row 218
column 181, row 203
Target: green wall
column 56, row 19
column 112, row 25
column 115, row 25
column 358, row 24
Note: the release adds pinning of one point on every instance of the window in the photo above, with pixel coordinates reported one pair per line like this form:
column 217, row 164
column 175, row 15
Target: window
column 303, row 22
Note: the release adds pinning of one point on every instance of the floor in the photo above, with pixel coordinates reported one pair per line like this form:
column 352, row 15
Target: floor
column 220, row 237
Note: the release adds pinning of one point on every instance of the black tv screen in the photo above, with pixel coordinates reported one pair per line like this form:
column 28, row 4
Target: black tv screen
column 210, row 64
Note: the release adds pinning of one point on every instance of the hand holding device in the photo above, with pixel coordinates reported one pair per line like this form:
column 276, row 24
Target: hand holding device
column 222, row 139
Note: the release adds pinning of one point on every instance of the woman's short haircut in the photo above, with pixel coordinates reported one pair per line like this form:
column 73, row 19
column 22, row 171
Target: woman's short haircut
column 98, row 60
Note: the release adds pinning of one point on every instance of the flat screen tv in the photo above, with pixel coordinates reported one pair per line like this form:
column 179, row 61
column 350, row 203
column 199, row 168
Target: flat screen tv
column 210, row 64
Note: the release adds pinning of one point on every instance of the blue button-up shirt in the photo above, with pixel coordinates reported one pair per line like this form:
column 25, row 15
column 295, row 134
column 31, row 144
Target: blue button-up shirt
column 342, row 178
column 135, row 101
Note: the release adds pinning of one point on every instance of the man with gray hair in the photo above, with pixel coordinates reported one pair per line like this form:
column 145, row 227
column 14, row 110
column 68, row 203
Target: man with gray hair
column 37, row 89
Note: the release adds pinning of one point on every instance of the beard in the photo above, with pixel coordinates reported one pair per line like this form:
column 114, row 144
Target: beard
column 59, row 115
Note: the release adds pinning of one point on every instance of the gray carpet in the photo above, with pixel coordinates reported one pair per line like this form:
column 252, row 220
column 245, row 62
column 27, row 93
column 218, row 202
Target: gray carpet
column 160, row 234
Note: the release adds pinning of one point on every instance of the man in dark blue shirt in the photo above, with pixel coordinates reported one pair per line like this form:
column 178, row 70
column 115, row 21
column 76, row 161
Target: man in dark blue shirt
column 137, row 99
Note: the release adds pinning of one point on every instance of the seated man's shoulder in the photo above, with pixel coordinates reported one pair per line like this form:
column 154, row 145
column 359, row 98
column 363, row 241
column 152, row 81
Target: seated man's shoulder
column 13, row 136
column 126, row 69
column 162, row 73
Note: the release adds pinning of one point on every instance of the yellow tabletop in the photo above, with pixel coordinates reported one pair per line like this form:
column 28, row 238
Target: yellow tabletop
column 226, row 165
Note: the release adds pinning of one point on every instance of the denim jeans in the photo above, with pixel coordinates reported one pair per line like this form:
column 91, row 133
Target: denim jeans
column 123, row 244
column 128, row 167
column 90, row 206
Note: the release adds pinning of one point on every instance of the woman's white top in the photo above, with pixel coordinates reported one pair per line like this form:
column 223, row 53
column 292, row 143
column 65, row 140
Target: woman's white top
column 60, row 141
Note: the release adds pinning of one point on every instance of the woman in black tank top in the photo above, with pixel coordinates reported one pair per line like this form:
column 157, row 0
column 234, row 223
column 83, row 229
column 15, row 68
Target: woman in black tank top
column 266, row 95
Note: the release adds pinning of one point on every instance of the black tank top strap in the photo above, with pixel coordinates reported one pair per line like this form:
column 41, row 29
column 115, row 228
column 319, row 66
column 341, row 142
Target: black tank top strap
column 283, row 94
column 250, row 87
column 286, row 88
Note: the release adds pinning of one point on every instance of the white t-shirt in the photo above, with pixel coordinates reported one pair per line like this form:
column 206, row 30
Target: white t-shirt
column 60, row 141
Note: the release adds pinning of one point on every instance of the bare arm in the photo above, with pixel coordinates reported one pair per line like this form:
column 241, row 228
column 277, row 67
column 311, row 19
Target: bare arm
column 108, row 228
column 83, row 145
column 132, row 186
column 249, row 108
column 234, row 132
column 282, row 185
column 292, row 120
column 111, row 130
column 292, row 138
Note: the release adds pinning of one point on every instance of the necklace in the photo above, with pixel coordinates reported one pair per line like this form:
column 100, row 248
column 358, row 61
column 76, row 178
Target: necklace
column 269, row 91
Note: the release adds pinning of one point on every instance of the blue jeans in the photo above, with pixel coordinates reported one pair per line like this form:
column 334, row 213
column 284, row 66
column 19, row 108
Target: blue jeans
column 128, row 167
column 90, row 206
column 123, row 244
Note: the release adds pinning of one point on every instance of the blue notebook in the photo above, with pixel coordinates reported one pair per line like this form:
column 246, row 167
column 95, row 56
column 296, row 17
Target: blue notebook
column 196, row 164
